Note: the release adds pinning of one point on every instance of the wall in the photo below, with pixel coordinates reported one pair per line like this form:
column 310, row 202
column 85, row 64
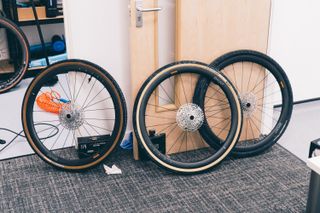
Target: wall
column 108, row 46
column 294, row 43
column 303, row 128
column 99, row 32
column 167, row 32
column 11, row 101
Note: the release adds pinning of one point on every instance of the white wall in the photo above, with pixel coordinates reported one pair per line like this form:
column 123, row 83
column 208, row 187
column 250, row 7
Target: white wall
column 10, row 114
column 10, row 107
column 295, row 44
column 102, row 36
column 292, row 31
column 303, row 128
column 294, row 38
column 98, row 31
column 167, row 32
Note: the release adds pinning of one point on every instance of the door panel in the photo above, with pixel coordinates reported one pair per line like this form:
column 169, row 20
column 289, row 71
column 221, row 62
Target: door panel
column 205, row 29
column 144, row 49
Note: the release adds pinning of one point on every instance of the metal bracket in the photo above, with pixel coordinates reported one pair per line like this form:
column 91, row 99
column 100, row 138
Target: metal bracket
column 140, row 10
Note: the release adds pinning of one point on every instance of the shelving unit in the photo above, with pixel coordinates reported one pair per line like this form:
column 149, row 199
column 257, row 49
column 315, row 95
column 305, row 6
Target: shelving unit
column 25, row 17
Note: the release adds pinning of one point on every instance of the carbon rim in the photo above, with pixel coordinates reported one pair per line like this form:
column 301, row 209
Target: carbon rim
column 266, row 100
column 184, row 158
column 87, row 88
column 12, row 72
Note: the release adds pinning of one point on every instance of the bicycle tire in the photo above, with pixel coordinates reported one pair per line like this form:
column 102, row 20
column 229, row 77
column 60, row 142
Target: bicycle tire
column 274, row 71
column 11, row 80
column 107, row 84
column 141, row 130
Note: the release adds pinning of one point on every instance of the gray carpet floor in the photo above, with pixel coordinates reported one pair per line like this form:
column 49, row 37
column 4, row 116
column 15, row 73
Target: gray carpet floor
column 273, row 182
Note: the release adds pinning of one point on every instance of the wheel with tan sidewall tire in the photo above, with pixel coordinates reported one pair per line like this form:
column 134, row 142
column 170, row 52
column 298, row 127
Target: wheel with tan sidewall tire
column 21, row 55
column 192, row 158
column 85, row 75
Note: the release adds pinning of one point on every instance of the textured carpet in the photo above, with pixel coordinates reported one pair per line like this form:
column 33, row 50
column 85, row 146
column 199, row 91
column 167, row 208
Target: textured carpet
column 274, row 182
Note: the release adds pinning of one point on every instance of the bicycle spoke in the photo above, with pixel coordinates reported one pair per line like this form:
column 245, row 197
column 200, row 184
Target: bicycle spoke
column 97, row 126
column 84, row 78
column 94, row 97
column 164, row 124
column 57, row 138
column 87, row 107
column 64, row 144
column 84, row 103
column 174, row 143
column 68, row 84
column 184, row 91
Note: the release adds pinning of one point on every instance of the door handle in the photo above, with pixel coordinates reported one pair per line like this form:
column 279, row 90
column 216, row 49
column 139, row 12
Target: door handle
column 140, row 10
column 143, row 10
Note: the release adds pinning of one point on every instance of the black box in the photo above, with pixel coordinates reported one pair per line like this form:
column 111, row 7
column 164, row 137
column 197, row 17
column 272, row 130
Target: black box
column 313, row 146
column 159, row 140
column 53, row 8
column 88, row 146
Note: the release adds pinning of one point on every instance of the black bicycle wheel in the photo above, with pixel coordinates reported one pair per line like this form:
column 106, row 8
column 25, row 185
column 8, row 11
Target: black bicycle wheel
column 266, row 100
column 14, row 59
column 86, row 104
column 164, row 106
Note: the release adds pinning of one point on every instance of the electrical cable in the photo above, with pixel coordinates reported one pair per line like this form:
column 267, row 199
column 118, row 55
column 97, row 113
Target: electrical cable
column 19, row 134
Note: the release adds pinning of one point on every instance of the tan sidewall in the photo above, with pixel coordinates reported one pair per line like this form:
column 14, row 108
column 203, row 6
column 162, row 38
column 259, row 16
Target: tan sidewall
column 173, row 168
column 27, row 132
column 27, row 56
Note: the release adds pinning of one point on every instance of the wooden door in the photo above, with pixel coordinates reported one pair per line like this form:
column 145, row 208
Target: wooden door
column 205, row 29
column 144, row 49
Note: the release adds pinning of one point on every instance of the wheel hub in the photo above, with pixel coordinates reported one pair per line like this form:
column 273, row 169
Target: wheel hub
column 71, row 117
column 190, row 117
column 248, row 104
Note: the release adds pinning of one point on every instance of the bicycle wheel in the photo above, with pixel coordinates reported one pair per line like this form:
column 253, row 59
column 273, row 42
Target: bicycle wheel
column 14, row 59
column 86, row 104
column 266, row 100
column 164, row 105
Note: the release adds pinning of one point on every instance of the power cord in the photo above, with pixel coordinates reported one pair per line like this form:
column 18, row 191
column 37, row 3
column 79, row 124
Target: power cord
column 3, row 142
column 19, row 134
